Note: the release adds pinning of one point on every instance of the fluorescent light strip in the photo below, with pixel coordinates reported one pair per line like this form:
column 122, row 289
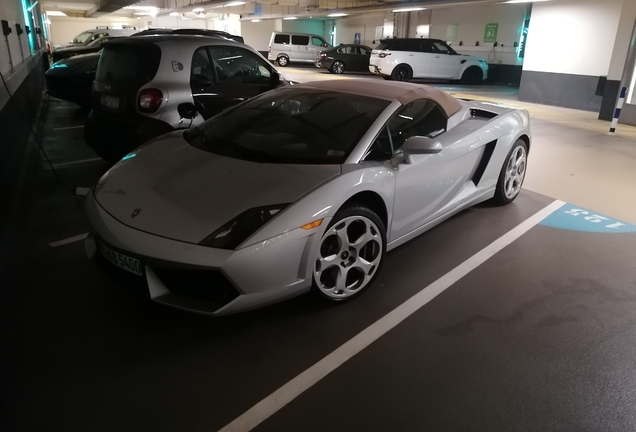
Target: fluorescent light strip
column 236, row 3
column 290, row 18
column 336, row 15
column 256, row 20
column 55, row 13
column 413, row 9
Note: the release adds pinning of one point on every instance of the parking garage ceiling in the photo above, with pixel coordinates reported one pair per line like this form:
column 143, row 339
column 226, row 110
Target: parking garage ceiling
column 267, row 8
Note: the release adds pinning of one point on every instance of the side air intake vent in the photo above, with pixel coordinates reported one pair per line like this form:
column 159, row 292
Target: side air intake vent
column 483, row 162
column 480, row 113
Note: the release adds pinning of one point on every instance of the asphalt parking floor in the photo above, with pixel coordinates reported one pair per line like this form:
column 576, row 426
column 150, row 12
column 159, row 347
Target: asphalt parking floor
column 538, row 337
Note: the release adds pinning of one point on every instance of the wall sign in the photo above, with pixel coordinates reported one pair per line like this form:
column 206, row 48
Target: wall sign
column 356, row 39
column 490, row 33
column 451, row 32
column 574, row 218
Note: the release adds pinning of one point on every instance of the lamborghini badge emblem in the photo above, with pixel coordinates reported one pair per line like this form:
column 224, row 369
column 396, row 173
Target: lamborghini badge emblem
column 135, row 213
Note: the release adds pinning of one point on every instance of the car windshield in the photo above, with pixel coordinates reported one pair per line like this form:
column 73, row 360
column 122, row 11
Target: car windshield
column 82, row 37
column 290, row 125
column 98, row 42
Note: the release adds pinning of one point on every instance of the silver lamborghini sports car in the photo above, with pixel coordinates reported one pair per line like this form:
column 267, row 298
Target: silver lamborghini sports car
column 302, row 188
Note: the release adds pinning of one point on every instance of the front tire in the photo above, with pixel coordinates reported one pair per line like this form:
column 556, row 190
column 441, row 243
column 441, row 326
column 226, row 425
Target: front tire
column 350, row 255
column 402, row 73
column 472, row 76
column 512, row 174
column 337, row 67
column 282, row 61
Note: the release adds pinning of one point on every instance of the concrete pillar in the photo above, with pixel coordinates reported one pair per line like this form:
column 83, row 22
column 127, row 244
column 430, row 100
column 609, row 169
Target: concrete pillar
column 619, row 56
column 571, row 46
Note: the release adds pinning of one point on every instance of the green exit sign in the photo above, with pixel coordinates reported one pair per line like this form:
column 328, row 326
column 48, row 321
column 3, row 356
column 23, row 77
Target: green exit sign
column 490, row 34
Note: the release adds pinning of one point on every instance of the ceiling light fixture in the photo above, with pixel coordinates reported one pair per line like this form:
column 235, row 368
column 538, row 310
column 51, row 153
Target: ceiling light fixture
column 198, row 9
column 290, row 18
column 142, row 13
column 524, row 1
column 148, row 8
column 236, row 3
column 256, row 20
column 336, row 15
column 413, row 9
column 55, row 13
column 174, row 14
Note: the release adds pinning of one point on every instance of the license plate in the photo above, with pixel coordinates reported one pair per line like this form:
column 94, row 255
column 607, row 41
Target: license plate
column 110, row 101
column 120, row 260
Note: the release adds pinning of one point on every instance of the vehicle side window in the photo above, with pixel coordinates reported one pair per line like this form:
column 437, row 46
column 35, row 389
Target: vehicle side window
column 422, row 117
column 318, row 42
column 236, row 65
column 381, row 149
column 364, row 51
column 201, row 71
column 281, row 39
column 427, row 47
column 440, row 48
column 300, row 40
column 346, row 50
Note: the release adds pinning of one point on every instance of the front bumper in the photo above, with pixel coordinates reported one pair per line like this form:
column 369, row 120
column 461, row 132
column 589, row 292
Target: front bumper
column 257, row 275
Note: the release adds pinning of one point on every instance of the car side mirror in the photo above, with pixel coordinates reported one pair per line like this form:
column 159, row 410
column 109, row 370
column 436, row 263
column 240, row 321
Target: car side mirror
column 418, row 145
column 187, row 111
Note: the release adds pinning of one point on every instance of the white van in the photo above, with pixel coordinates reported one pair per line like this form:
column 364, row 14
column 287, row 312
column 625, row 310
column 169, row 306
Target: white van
column 295, row 47
column 88, row 36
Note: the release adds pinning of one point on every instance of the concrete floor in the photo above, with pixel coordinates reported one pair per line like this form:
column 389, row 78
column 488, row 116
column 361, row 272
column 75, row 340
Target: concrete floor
column 538, row 337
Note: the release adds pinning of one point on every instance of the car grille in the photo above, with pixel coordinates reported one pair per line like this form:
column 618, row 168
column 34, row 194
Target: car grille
column 208, row 285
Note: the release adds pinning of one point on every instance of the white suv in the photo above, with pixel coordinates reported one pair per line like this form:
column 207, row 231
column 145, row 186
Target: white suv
column 403, row 59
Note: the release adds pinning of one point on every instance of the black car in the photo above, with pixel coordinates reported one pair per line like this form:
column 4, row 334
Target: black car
column 72, row 79
column 350, row 58
column 92, row 47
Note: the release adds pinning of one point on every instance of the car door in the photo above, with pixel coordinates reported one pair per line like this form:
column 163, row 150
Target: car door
column 416, row 57
column 362, row 58
column 424, row 186
column 223, row 76
column 300, row 49
column 445, row 63
column 347, row 56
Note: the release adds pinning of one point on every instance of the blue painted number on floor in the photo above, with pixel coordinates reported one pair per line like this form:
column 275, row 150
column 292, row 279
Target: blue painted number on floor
column 575, row 218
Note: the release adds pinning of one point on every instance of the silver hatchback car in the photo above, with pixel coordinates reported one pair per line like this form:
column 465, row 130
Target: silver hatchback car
column 146, row 86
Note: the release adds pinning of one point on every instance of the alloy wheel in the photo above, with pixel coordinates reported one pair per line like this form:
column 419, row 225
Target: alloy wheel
column 282, row 61
column 350, row 253
column 515, row 172
column 338, row 67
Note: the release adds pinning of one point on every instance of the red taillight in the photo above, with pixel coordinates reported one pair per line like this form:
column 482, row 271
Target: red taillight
column 382, row 55
column 149, row 100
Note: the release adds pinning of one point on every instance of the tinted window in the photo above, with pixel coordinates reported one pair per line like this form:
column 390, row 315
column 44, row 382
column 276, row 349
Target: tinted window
column 418, row 118
column 441, row 47
column 281, row 39
column 364, row 51
column 291, row 125
column 346, row 50
column 82, row 37
column 239, row 66
column 427, row 46
column 128, row 64
column 385, row 45
column 318, row 42
column 201, row 71
column 401, row 45
column 381, row 148
column 300, row 40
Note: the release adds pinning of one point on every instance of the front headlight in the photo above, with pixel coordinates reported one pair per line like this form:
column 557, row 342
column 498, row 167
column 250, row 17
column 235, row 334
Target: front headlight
column 236, row 231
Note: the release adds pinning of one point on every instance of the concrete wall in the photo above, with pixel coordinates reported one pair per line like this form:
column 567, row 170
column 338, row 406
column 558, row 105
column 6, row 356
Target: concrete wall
column 257, row 35
column 312, row 26
column 570, row 46
column 18, row 106
column 471, row 23
column 366, row 25
column 64, row 29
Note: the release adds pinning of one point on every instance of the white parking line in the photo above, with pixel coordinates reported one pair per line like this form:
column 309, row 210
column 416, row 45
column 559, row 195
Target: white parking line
column 288, row 392
column 63, row 164
column 69, row 127
column 69, row 240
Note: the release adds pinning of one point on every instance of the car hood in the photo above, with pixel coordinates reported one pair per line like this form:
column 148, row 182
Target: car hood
column 177, row 191
column 73, row 64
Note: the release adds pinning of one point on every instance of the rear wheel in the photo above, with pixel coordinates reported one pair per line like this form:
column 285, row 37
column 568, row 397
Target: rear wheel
column 282, row 61
column 472, row 75
column 337, row 67
column 402, row 73
column 350, row 254
column 512, row 174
